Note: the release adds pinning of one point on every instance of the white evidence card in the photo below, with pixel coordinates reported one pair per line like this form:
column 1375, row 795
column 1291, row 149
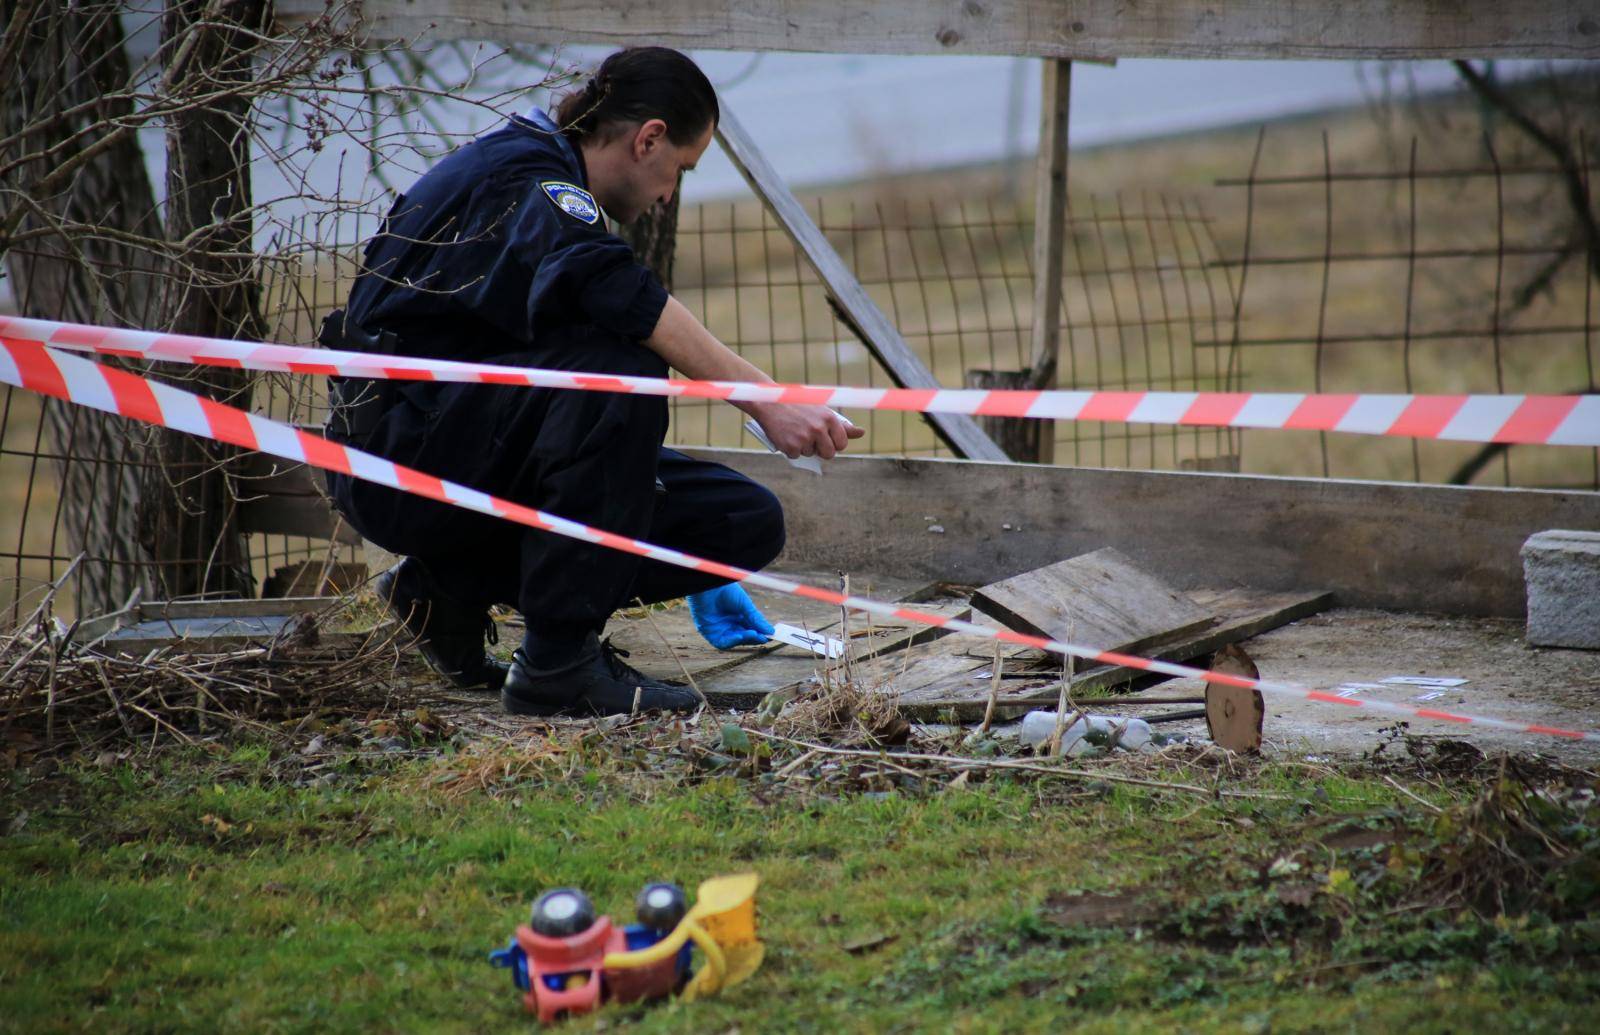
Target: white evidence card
column 816, row 643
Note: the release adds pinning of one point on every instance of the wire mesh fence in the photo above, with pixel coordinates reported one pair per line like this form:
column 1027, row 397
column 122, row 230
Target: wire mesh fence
column 1448, row 278
column 956, row 279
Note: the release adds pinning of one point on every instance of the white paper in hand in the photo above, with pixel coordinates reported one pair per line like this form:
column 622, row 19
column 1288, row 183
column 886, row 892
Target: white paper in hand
column 805, row 463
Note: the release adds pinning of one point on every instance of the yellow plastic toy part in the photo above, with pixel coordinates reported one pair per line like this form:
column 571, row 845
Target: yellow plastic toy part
column 726, row 908
column 723, row 925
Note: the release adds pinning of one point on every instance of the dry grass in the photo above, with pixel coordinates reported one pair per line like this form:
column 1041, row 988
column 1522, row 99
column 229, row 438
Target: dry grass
column 59, row 695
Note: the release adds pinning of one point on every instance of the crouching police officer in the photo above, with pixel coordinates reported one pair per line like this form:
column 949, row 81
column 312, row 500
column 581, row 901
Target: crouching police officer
column 500, row 254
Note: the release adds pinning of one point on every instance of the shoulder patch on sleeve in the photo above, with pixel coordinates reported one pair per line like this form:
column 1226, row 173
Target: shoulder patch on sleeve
column 572, row 199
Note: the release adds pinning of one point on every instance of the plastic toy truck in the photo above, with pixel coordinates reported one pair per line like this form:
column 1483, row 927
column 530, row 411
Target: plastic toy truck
column 566, row 960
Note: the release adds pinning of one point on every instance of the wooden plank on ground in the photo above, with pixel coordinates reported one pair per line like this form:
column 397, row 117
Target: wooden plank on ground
column 744, row 685
column 201, row 626
column 884, row 637
column 643, row 638
column 876, row 657
column 879, row 335
column 1100, row 598
column 1354, row 29
column 1241, row 614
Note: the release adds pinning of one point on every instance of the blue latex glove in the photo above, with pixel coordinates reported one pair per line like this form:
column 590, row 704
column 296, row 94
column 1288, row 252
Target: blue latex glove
column 727, row 617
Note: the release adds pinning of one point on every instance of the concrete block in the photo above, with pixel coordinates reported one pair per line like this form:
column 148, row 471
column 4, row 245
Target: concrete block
column 1562, row 571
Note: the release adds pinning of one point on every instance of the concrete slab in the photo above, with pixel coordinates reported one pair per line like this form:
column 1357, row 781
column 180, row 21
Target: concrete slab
column 1562, row 571
column 1505, row 678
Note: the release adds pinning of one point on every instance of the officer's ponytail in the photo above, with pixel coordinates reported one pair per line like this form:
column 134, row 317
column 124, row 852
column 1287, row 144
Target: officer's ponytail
column 639, row 84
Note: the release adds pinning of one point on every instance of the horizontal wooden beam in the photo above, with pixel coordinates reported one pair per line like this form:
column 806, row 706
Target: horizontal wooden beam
column 1369, row 29
column 1442, row 548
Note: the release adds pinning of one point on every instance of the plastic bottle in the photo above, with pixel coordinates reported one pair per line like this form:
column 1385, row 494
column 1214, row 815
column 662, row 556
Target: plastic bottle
column 1039, row 726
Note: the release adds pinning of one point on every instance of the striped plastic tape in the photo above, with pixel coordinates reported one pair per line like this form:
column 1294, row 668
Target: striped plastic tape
column 1558, row 420
column 43, row 370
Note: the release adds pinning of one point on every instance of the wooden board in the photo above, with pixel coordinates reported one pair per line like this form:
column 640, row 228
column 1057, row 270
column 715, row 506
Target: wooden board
column 1399, row 546
column 1242, row 614
column 199, row 626
column 1050, row 223
column 280, row 497
column 875, row 330
column 643, row 639
column 1099, row 598
column 877, row 658
column 1234, row 714
column 1444, row 549
column 744, row 685
column 775, row 664
column 1353, row 29
column 884, row 637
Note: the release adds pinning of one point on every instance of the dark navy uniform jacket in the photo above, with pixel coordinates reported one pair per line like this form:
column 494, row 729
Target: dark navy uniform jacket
column 498, row 254
column 490, row 252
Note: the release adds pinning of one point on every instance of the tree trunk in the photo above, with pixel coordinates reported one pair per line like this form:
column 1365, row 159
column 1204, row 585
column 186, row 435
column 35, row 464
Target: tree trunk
column 133, row 498
column 188, row 510
column 57, row 58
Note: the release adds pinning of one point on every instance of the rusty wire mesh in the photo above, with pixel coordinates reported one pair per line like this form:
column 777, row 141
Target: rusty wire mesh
column 1140, row 283
column 1453, row 278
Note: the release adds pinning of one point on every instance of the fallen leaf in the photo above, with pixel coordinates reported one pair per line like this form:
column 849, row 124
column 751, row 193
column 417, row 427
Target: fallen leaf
column 867, row 944
column 735, row 740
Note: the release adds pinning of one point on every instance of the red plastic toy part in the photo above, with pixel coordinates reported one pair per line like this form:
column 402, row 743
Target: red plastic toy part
column 573, row 965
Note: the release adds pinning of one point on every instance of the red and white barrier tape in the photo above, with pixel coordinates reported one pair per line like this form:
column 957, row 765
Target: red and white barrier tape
column 1557, row 420
column 39, row 369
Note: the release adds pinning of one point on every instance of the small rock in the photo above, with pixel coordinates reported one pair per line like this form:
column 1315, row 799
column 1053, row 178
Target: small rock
column 936, row 529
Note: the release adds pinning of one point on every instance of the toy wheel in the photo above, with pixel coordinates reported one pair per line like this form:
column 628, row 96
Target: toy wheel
column 562, row 913
column 661, row 906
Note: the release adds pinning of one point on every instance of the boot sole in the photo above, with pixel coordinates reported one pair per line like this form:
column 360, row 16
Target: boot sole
column 517, row 706
column 578, row 709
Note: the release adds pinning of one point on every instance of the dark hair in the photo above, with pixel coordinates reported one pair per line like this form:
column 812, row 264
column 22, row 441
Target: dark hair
column 639, row 84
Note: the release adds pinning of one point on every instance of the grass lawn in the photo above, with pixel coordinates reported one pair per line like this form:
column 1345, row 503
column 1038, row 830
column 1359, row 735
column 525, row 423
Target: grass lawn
column 247, row 885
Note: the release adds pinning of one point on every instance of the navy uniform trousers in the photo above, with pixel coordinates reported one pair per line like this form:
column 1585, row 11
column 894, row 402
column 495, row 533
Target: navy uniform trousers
column 592, row 457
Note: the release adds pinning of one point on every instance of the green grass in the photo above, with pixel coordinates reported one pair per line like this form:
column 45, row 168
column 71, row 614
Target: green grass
column 208, row 892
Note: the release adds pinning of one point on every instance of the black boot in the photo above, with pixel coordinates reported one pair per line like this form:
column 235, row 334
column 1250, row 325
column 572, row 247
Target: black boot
column 450, row 635
column 599, row 682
